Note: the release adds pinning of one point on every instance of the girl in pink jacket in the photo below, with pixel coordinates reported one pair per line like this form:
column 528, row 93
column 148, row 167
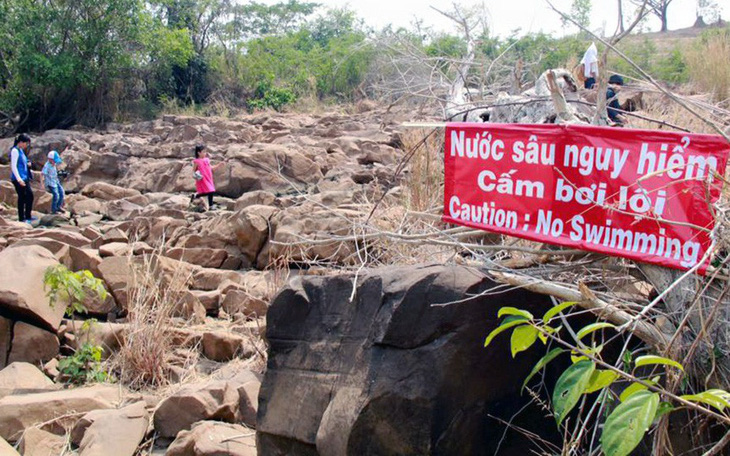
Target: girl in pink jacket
column 203, row 173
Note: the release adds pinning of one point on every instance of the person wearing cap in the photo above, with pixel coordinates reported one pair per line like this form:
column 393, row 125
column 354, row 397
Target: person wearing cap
column 51, row 181
column 613, row 107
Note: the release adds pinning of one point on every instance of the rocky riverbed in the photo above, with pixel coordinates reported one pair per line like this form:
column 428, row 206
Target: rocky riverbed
column 225, row 333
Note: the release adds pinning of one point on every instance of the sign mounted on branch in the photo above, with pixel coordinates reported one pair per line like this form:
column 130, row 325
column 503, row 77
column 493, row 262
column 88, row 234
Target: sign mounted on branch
column 640, row 194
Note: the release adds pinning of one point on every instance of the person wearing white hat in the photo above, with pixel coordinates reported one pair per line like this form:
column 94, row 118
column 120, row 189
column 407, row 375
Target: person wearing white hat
column 590, row 66
column 51, row 181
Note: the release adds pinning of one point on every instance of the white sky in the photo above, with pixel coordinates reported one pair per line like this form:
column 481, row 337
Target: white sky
column 507, row 15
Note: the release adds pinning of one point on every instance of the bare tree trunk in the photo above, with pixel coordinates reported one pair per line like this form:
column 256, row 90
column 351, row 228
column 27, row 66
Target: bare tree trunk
column 601, row 117
column 620, row 17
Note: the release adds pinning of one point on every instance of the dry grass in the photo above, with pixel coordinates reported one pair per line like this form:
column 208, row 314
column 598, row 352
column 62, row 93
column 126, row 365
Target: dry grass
column 709, row 66
column 423, row 187
column 657, row 106
column 144, row 358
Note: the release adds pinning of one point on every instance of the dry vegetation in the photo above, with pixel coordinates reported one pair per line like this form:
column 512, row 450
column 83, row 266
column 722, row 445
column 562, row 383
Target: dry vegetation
column 144, row 358
column 709, row 68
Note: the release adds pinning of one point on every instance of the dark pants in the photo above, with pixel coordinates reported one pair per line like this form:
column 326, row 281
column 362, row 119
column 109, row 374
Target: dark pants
column 589, row 83
column 209, row 195
column 25, row 200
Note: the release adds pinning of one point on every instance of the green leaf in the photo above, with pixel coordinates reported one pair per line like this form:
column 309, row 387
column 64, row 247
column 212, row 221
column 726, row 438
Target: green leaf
column 543, row 335
column 630, row 390
column 503, row 327
column 627, row 424
column 522, row 338
column 592, row 328
column 648, row 360
column 715, row 398
column 570, row 387
column 628, row 359
column 514, row 311
column 663, row 409
column 634, row 387
column 556, row 310
column 576, row 356
column 600, row 379
column 552, row 354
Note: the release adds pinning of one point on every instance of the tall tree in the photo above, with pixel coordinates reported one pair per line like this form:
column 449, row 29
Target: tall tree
column 61, row 59
column 580, row 12
column 659, row 8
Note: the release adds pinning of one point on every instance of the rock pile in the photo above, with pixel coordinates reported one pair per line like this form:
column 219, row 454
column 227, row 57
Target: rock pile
column 131, row 224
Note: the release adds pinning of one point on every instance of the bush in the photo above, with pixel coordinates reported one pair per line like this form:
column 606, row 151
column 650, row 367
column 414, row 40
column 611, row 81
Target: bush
column 62, row 283
column 672, row 68
column 84, row 366
column 268, row 96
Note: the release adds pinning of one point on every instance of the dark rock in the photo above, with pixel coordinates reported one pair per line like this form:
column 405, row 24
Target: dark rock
column 393, row 372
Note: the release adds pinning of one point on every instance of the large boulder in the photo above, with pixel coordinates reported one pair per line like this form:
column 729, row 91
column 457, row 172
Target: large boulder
column 17, row 413
column 119, row 277
column 213, row 400
column 252, row 229
column 108, row 192
column 401, row 369
column 111, row 432
column 211, row 438
column 42, row 443
column 65, row 236
column 309, row 221
column 271, row 167
column 230, row 396
column 22, row 292
column 224, row 346
column 207, row 258
column 22, row 377
column 32, row 344
column 249, row 296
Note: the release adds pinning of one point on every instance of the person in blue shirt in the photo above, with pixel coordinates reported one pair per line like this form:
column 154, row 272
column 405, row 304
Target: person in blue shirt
column 20, row 176
column 614, row 108
column 51, row 181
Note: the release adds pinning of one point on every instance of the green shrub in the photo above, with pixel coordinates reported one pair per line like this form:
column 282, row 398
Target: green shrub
column 672, row 68
column 268, row 96
column 62, row 283
column 84, row 366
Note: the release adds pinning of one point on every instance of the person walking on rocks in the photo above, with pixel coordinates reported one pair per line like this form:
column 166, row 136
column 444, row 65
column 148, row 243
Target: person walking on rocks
column 20, row 176
column 51, row 181
column 203, row 174
column 590, row 66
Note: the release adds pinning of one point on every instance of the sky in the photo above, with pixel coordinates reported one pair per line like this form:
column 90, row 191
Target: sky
column 507, row 15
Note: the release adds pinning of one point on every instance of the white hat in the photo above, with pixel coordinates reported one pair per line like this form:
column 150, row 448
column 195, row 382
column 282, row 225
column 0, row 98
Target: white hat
column 53, row 155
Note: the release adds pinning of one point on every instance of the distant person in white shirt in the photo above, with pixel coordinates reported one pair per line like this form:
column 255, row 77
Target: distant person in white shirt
column 590, row 66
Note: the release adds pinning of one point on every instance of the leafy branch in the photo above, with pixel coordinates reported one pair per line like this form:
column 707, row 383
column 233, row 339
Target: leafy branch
column 640, row 402
column 62, row 283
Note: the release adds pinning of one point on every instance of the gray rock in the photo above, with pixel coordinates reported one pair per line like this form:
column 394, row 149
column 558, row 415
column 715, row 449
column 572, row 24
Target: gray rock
column 394, row 372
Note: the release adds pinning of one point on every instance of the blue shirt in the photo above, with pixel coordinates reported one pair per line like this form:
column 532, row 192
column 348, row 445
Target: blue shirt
column 21, row 165
column 50, row 174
